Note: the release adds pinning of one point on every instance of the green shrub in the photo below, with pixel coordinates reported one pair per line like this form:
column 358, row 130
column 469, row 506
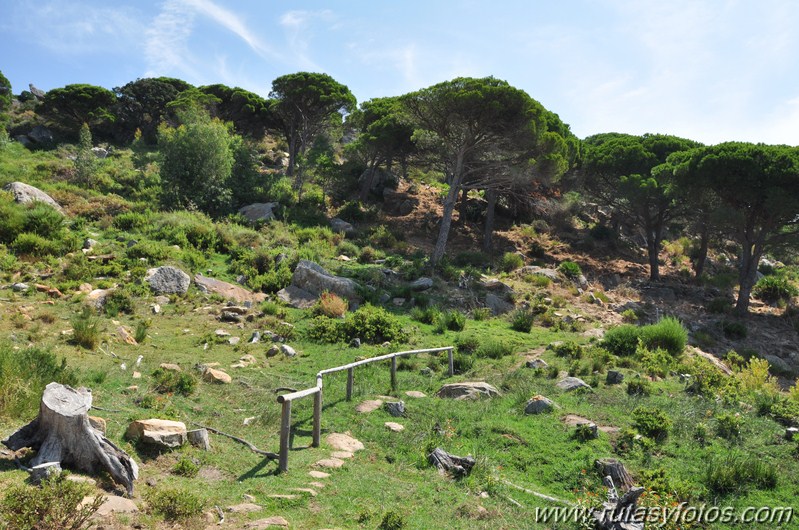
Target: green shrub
column 174, row 504
column 728, row 425
column 272, row 281
column 152, row 251
column 772, row 289
column 374, row 325
column 462, row 362
column 392, row 521
column 735, row 472
column 174, row 382
column 511, row 261
column 622, row 340
column 657, row 362
column 568, row 349
column 185, row 467
column 668, row 334
column 86, row 329
column 467, row 343
column 639, row 387
column 132, row 221
column 481, row 313
column 43, row 220
column 651, row 422
column 494, row 349
column 452, row 320
column 327, row 330
column 720, row 305
column 629, row 316
column 570, row 269
column 24, row 373
column 118, row 301
column 185, row 228
column 734, row 330
column 142, row 327
column 30, row 244
column 56, row 505
column 522, row 320
column 701, row 433
column 426, row 315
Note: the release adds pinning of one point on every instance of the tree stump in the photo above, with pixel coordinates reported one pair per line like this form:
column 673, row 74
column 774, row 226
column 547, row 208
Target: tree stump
column 617, row 472
column 62, row 433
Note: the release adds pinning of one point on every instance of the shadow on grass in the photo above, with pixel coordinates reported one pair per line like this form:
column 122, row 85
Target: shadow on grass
column 259, row 472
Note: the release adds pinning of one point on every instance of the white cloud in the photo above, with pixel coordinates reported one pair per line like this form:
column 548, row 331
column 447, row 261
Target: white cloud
column 297, row 26
column 233, row 23
column 166, row 41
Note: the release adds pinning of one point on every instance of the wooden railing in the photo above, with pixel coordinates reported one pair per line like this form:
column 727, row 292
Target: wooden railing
column 316, row 391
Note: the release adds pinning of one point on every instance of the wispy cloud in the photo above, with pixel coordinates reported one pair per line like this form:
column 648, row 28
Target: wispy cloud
column 233, row 23
column 71, row 28
column 297, row 27
column 166, row 46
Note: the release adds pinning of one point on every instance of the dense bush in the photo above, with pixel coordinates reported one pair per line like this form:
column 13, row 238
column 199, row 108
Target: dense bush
column 174, row 504
column 494, row 349
column 452, row 320
column 511, row 261
column 735, row 472
column 23, row 375
column 668, row 334
column 622, row 340
column 56, row 505
column 570, row 269
column 639, row 387
column 174, row 382
column 86, row 329
column 728, row 425
column 651, row 422
column 772, row 289
column 426, row 315
column 522, row 320
column 373, row 325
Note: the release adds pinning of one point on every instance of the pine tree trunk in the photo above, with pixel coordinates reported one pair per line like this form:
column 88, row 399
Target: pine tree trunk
column 652, row 248
column 62, row 433
column 449, row 207
column 701, row 258
column 750, row 257
column 491, row 197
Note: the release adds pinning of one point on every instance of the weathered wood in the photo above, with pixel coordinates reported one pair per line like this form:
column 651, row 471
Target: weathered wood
column 393, row 373
column 285, row 428
column 350, row 382
column 617, row 472
column 445, row 462
column 451, row 360
column 62, row 433
column 317, row 418
column 267, row 454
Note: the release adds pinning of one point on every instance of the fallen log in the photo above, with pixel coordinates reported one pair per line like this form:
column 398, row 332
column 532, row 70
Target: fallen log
column 458, row 466
column 62, row 433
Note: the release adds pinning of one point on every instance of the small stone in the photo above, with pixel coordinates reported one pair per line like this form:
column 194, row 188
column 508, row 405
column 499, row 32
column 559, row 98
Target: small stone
column 170, row 366
column 369, row 405
column 273, row 350
column 256, row 337
column 395, row 408
column 344, row 455
column 318, row 474
column 415, row 394
column 229, row 316
column 284, row 497
column 113, row 504
column 217, row 376
column 614, row 377
column 317, row 485
column 233, row 341
column 287, row 350
column 572, row 383
column 248, row 498
column 20, row 287
column 539, row 405
column 245, row 507
column 131, row 389
column 136, row 375
column 222, row 333
column 395, row 427
column 309, row 491
column 156, row 309
column 260, row 524
column 355, row 343
column 331, row 463
column 344, row 442
column 537, row 364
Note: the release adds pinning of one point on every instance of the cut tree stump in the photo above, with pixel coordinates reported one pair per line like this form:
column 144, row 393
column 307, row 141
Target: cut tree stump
column 62, row 433
column 616, row 471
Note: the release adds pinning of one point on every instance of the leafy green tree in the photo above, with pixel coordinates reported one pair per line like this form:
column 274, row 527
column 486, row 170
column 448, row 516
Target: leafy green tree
column 250, row 113
column 142, row 105
column 73, row 105
column 384, row 135
column 473, row 127
column 626, row 172
column 759, row 186
column 5, row 98
column 85, row 161
column 306, row 104
column 196, row 164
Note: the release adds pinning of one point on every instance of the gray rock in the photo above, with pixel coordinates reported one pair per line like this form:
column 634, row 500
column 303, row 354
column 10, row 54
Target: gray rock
column 287, row 350
column 314, row 279
column 167, row 280
column 25, row 193
column 355, row 343
column 99, row 152
column 572, row 383
column 614, row 377
column 161, row 433
column 395, row 408
column 273, row 350
column 41, row 135
column 259, row 211
column 422, row 284
column 498, row 305
column 43, row 472
column 37, row 93
column 588, row 431
column 552, row 274
column 256, row 337
column 341, row 226
column 537, row 364
column 89, row 243
column 467, row 390
column 19, row 287
column 539, row 405
column 297, row 298
column 778, row 364
column 230, row 316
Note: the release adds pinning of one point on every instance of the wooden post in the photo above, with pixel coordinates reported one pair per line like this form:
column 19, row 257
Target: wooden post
column 285, row 427
column 393, row 373
column 317, row 418
column 451, row 362
column 350, row 378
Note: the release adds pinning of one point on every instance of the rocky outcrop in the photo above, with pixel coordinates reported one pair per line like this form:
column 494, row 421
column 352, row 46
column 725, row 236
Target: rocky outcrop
column 226, row 290
column 259, row 211
column 25, row 193
column 167, row 280
column 539, row 405
column 467, row 390
column 314, row 279
column 398, row 204
column 166, row 434
column 341, row 226
column 296, row 297
column 570, row 384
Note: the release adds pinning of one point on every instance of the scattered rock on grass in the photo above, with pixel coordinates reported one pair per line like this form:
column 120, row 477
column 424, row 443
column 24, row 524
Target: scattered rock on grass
column 395, row 408
column 572, row 383
column 167, row 280
column 394, row 427
column 260, row 524
column 539, row 405
column 331, row 463
column 163, row 433
column 467, row 390
column 370, row 405
column 217, row 376
column 344, row 442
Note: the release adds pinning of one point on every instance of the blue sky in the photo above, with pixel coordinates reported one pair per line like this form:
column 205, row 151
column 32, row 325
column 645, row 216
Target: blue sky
column 709, row 70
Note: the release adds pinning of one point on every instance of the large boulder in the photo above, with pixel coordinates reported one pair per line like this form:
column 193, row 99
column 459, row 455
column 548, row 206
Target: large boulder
column 314, row 279
column 161, row 433
column 25, row 193
column 41, row 135
column 259, row 211
column 539, row 405
column 226, row 290
column 467, row 390
column 167, row 280
column 552, row 274
column 497, row 304
column 296, row 297
column 570, row 384
column 341, row 226
column 397, row 203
